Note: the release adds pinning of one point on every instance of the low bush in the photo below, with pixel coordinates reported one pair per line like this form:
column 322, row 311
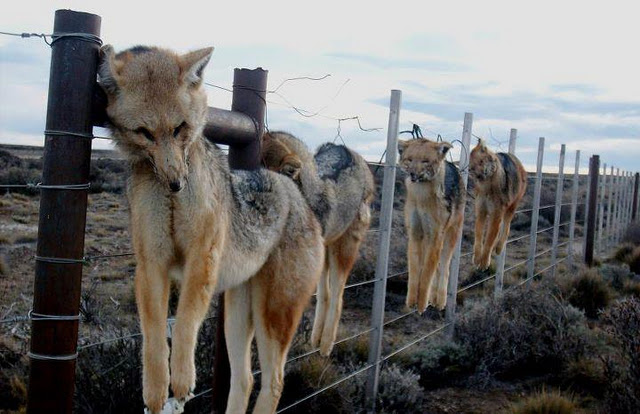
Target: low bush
column 634, row 261
column 546, row 402
column 622, row 369
column 589, row 292
column 528, row 332
column 616, row 275
column 632, row 234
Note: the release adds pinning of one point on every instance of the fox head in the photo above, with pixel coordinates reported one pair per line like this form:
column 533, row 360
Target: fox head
column 278, row 157
column 422, row 159
column 483, row 162
column 156, row 106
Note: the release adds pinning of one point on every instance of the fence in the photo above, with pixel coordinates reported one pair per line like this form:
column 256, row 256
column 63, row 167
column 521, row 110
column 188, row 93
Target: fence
column 609, row 207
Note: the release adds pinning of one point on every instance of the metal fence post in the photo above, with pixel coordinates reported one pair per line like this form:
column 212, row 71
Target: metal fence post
column 603, row 187
column 59, row 257
column 616, row 208
column 454, row 269
column 535, row 213
column 594, row 171
column 501, row 259
column 558, row 211
column 574, row 207
column 249, row 94
column 634, row 207
column 382, row 264
column 629, row 197
column 611, row 209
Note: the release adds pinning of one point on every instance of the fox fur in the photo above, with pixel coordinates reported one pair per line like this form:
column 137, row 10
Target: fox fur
column 250, row 234
column 338, row 185
column 433, row 218
column 500, row 184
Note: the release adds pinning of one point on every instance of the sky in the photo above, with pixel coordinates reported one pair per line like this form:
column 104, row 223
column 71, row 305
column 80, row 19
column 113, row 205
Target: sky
column 563, row 70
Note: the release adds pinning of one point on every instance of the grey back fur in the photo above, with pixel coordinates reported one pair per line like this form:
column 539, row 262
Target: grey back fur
column 336, row 183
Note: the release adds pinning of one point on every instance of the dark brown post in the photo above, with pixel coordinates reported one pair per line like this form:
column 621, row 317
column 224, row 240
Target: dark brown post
column 67, row 154
column 249, row 97
column 634, row 208
column 594, row 167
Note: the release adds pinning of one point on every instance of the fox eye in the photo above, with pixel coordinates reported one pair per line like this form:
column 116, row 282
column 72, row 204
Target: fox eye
column 179, row 128
column 409, row 160
column 144, row 131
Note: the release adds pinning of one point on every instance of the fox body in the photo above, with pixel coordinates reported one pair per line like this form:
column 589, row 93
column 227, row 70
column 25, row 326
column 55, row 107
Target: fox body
column 338, row 185
column 248, row 233
column 433, row 218
column 500, row 184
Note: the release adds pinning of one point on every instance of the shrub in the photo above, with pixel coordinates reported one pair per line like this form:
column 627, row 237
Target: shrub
column 632, row 234
column 109, row 376
column 623, row 252
column 590, row 293
column 441, row 364
column 527, row 332
column 622, row 370
column 398, row 391
column 307, row 376
column 634, row 261
column 616, row 275
column 545, row 402
column 4, row 268
column 585, row 374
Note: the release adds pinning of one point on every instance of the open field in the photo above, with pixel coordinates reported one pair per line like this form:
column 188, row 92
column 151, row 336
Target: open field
column 109, row 310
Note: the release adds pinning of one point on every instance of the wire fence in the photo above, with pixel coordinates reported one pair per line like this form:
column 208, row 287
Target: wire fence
column 614, row 212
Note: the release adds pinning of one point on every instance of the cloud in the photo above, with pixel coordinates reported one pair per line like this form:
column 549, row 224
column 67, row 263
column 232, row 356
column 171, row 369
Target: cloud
column 402, row 63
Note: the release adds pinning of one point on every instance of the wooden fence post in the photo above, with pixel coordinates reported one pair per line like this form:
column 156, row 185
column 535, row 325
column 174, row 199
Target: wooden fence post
column 382, row 264
column 558, row 211
column 594, row 171
column 574, row 207
column 501, row 259
column 249, row 94
column 59, row 257
column 535, row 213
column 454, row 269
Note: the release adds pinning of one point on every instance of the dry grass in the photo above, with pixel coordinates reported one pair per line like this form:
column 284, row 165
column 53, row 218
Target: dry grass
column 546, row 402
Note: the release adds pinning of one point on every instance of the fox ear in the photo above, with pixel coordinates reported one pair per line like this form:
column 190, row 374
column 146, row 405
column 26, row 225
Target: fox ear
column 443, row 148
column 193, row 64
column 402, row 145
column 109, row 69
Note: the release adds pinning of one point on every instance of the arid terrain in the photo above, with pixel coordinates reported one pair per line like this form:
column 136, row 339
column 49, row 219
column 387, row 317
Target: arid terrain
column 435, row 376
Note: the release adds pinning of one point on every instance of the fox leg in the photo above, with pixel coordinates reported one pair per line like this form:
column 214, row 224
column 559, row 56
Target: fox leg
column 152, row 297
column 198, row 284
column 276, row 320
column 506, row 226
column 322, row 301
column 431, row 259
column 450, row 240
column 495, row 220
column 415, row 258
column 481, row 220
column 238, row 330
column 342, row 255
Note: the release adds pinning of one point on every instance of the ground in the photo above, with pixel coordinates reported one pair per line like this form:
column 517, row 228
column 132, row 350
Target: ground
column 108, row 305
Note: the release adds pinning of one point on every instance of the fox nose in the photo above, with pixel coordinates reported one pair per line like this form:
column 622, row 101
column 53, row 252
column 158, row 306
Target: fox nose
column 175, row 186
column 413, row 176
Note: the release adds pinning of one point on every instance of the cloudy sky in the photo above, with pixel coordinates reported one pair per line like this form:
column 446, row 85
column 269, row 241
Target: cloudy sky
column 564, row 70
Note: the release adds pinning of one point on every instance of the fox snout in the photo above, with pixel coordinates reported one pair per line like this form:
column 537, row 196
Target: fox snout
column 175, row 186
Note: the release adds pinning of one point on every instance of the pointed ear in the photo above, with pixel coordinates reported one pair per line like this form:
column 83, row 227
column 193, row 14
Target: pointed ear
column 402, row 145
column 109, row 70
column 193, row 64
column 443, row 148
